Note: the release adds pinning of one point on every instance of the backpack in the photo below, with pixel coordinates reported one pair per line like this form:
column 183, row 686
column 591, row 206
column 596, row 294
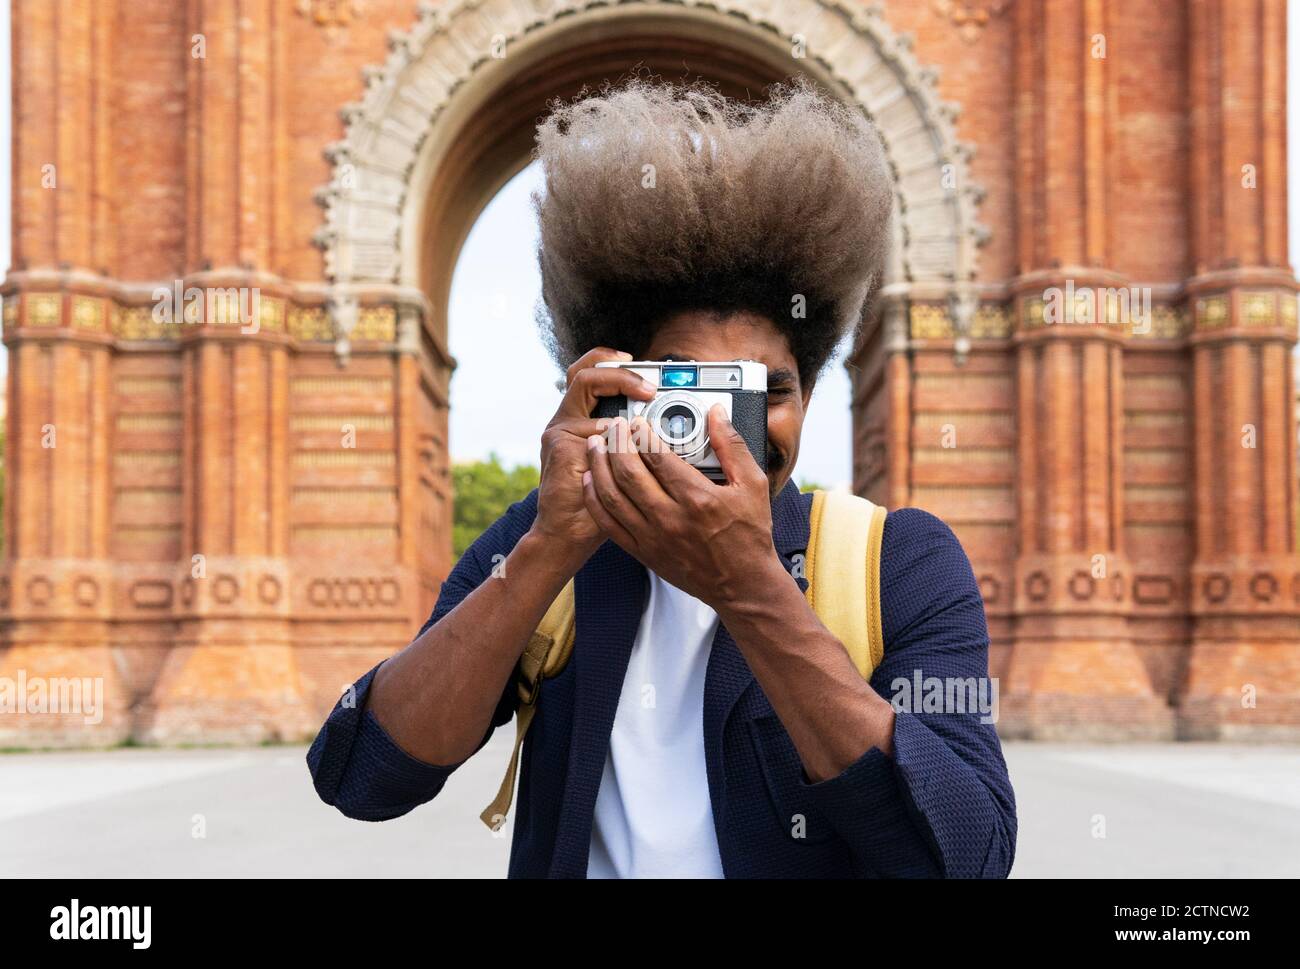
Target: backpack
column 842, row 566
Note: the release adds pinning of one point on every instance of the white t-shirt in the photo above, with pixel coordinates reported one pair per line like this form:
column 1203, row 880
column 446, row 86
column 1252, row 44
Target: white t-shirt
column 653, row 815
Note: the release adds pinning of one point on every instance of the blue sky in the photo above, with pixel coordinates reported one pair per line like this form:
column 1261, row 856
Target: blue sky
column 503, row 392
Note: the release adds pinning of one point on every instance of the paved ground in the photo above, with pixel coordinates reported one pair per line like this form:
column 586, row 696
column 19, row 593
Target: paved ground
column 1168, row 810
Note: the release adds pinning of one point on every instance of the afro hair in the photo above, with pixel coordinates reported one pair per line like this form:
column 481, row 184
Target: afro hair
column 660, row 198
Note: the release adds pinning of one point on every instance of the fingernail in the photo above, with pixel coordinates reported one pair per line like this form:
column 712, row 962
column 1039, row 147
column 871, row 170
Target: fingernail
column 596, row 443
column 624, row 355
column 586, row 478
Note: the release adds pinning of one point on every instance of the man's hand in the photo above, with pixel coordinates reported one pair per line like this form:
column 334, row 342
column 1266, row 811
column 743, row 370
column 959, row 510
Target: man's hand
column 711, row 541
column 562, row 517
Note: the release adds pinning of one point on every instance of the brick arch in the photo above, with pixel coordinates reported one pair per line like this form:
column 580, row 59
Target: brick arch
column 443, row 124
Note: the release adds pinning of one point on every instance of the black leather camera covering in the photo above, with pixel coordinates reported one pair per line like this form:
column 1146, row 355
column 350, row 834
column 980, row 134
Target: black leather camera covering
column 748, row 415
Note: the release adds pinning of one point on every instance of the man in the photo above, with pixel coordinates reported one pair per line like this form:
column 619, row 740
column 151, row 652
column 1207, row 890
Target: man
column 708, row 724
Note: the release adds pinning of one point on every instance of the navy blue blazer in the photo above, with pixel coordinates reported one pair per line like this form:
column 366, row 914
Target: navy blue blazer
column 941, row 807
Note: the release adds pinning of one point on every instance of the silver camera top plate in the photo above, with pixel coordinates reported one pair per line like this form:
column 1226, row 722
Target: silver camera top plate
column 698, row 374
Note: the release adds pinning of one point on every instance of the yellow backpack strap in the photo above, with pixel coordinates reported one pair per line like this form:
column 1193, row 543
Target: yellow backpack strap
column 842, row 566
column 545, row 655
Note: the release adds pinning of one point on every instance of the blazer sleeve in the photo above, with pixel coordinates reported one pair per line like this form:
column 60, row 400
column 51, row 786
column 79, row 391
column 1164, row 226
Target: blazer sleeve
column 943, row 806
column 355, row 765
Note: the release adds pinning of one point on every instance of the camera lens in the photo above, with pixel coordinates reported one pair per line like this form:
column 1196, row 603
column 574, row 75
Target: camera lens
column 677, row 423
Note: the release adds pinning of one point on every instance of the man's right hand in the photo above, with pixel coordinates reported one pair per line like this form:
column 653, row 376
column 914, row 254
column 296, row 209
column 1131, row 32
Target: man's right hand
column 562, row 517
column 436, row 698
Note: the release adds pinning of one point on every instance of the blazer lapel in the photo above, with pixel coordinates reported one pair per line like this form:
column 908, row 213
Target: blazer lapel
column 728, row 676
column 610, row 594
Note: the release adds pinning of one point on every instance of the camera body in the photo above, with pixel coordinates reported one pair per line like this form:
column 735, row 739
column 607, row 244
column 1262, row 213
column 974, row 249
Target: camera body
column 679, row 411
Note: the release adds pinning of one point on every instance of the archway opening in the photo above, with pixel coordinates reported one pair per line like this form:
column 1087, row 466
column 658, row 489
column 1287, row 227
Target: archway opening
column 450, row 119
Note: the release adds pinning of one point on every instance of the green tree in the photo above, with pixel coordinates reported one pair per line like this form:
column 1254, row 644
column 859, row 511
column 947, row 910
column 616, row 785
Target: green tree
column 806, row 485
column 484, row 489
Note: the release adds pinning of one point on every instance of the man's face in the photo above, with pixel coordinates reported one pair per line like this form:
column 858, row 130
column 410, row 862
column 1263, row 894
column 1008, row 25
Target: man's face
column 699, row 335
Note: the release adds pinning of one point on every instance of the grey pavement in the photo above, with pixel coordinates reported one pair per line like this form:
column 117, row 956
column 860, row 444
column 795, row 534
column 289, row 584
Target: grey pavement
column 1175, row 810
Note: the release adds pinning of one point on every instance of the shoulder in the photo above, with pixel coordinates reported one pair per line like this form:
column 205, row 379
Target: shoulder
column 925, row 576
column 913, row 535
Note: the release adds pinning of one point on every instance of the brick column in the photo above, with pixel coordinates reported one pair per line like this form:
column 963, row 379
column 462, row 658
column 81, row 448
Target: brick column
column 1074, row 671
column 231, row 674
column 1244, row 672
column 55, row 581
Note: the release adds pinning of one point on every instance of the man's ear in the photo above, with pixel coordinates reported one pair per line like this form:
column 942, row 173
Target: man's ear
column 808, row 392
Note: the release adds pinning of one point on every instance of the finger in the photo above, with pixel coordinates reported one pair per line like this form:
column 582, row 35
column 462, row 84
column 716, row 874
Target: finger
column 564, row 442
column 630, row 473
column 591, row 358
column 594, row 382
column 733, row 453
column 604, row 521
column 579, row 427
column 620, row 508
column 671, row 472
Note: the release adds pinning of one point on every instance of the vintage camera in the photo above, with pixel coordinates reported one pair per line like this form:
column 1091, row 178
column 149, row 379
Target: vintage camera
column 679, row 412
